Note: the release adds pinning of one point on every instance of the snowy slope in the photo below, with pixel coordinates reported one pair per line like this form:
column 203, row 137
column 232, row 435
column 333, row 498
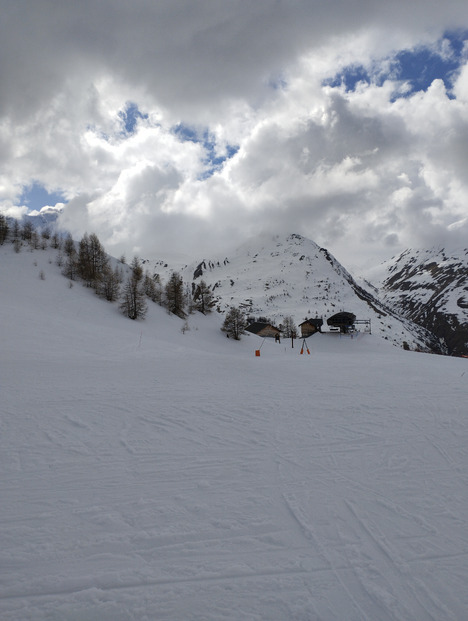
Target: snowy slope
column 290, row 275
column 153, row 474
column 430, row 287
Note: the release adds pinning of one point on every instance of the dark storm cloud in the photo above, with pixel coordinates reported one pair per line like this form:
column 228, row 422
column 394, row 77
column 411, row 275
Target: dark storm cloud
column 198, row 52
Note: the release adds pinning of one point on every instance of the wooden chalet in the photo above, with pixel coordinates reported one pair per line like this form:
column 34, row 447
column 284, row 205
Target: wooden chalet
column 264, row 329
column 311, row 326
column 344, row 321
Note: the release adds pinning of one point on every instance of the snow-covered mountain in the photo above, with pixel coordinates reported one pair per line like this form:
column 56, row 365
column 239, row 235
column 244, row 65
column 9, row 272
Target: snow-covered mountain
column 290, row 275
column 430, row 287
column 150, row 472
column 46, row 216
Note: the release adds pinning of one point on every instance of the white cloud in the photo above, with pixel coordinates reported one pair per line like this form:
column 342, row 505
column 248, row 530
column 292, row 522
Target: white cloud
column 364, row 172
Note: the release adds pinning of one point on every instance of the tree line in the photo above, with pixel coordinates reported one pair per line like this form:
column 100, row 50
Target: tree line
column 130, row 286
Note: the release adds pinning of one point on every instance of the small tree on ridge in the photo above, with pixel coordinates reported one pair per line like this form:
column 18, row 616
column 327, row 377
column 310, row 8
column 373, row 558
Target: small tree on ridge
column 234, row 323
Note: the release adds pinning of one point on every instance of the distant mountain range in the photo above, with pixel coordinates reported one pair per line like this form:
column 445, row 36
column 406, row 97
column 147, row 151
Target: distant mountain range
column 419, row 300
column 289, row 275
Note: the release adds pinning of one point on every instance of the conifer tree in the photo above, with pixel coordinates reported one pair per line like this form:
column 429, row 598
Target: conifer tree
column 203, row 298
column 109, row 284
column 92, row 259
column 27, row 230
column 234, row 323
column 55, row 241
column 70, row 269
column 69, row 245
column 15, row 231
column 4, row 228
column 152, row 287
column 84, row 261
column 134, row 299
column 175, row 297
column 34, row 240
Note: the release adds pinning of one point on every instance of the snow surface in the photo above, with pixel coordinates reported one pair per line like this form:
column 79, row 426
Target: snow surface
column 150, row 474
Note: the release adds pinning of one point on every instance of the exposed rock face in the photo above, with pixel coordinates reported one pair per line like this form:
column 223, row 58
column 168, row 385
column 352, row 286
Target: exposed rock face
column 430, row 287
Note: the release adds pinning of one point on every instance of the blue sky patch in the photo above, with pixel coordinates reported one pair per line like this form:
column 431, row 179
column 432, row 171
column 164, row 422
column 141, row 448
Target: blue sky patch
column 185, row 133
column 35, row 197
column 212, row 161
column 130, row 117
column 418, row 67
column 278, row 83
column 350, row 78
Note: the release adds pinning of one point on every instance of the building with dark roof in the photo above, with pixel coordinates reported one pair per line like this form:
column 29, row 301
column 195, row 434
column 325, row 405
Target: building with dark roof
column 311, row 326
column 343, row 320
column 263, row 329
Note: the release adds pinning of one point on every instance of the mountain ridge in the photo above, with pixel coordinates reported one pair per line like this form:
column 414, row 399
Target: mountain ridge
column 419, row 301
column 275, row 276
column 430, row 287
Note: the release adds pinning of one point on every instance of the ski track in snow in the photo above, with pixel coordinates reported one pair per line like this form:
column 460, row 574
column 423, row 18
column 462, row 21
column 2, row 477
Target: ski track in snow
column 178, row 477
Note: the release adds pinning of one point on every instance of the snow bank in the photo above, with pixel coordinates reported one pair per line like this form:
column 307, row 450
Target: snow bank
column 153, row 474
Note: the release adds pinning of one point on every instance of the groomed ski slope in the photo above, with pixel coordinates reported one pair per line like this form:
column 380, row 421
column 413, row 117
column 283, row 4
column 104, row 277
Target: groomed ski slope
column 148, row 474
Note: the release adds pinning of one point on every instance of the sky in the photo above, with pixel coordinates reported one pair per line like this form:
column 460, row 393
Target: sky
column 190, row 127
